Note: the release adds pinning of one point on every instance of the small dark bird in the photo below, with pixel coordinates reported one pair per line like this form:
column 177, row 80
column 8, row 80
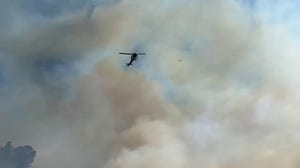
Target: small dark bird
column 134, row 57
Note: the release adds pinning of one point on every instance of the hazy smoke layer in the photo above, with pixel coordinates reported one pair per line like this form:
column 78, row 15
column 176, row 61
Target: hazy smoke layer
column 230, row 102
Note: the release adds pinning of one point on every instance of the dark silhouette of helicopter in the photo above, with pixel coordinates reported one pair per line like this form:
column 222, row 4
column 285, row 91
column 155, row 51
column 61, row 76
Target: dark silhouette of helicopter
column 134, row 57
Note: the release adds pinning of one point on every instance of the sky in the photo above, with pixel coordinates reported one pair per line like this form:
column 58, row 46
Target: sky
column 230, row 102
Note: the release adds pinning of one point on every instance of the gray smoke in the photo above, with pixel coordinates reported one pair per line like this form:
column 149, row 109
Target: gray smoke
column 231, row 102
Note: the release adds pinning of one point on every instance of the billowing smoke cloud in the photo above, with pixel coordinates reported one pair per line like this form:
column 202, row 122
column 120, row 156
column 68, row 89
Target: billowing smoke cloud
column 231, row 102
column 19, row 157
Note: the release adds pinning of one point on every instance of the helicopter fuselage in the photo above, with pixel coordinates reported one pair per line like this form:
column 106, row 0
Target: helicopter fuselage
column 134, row 56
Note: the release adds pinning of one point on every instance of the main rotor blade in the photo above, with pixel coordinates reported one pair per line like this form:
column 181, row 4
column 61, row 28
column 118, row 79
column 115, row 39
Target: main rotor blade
column 126, row 53
column 141, row 53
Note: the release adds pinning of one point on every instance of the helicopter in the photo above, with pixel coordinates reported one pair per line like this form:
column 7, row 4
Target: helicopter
column 134, row 57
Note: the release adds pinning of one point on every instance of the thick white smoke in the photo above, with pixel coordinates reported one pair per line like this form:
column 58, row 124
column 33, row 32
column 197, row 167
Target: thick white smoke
column 231, row 102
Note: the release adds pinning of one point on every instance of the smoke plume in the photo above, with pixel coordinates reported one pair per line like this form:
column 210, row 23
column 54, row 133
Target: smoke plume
column 230, row 102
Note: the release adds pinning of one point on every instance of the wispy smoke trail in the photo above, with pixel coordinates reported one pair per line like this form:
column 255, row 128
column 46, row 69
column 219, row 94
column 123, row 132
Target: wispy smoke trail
column 231, row 102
